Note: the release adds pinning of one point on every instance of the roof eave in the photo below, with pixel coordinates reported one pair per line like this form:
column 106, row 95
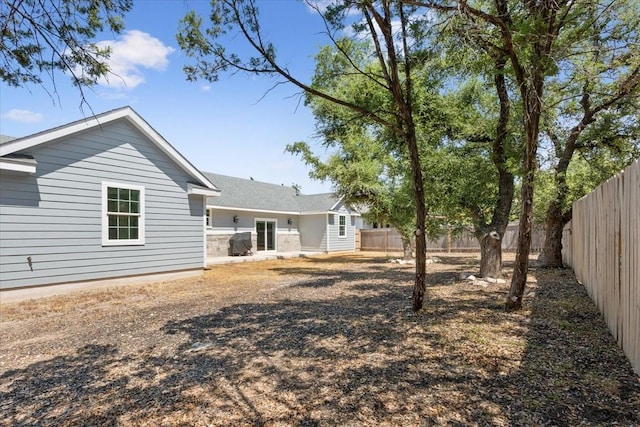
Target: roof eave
column 336, row 203
column 271, row 211
column 18, row 165
column 202, row 191
column 128, row 113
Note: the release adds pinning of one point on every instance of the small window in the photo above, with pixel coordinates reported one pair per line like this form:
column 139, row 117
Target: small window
column 123, row 214
column 209, row 218
column 342, row 226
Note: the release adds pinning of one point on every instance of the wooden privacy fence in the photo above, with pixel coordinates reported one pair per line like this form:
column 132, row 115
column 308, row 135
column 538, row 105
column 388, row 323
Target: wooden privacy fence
column 601, row 245
column 388, row 240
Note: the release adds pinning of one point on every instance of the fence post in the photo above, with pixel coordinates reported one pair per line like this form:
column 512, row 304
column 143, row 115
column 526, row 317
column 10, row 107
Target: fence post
column 386, row 240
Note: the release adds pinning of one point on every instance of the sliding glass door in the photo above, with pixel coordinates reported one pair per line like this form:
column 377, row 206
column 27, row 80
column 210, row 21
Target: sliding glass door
column 266, row 235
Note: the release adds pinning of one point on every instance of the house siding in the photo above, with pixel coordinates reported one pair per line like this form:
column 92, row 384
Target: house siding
column 337, row 243
column 55, row 215
column 313, row 232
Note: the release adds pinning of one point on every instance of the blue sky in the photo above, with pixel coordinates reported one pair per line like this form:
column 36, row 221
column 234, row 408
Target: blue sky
column 228, row 127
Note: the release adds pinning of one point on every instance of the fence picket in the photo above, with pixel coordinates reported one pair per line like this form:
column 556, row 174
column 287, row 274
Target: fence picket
column 601, row 245
column 388, row 239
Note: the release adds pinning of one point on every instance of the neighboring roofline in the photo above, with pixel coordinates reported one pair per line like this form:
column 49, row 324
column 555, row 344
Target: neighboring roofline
column 101, row 119
column 6, row 138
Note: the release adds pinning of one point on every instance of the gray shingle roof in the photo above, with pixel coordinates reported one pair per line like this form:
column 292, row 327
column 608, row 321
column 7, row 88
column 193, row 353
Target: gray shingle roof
column 5, row 138
column 255, row 195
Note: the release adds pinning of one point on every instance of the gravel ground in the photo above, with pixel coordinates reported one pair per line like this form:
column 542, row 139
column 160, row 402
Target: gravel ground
column 326, row 341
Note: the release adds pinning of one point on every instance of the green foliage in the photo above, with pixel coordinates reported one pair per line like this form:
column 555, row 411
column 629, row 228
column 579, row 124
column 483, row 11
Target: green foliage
column 42, row 36
column 392, row 55
column 369, row 164
column 585, row 172
column 455, row 129
column 207, row 44
column 591, row 122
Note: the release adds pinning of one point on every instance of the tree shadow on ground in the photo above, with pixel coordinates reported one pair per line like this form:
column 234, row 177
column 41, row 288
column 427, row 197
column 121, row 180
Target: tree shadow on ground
column 350, row 258
column 356, row 355
column 572, row 371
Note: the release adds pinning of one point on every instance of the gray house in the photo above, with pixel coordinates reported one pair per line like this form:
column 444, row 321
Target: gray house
column 99, row 198
column 278, row 218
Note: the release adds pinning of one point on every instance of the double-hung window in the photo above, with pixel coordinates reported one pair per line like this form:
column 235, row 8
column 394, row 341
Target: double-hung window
column 342, row 226
column 122, row 214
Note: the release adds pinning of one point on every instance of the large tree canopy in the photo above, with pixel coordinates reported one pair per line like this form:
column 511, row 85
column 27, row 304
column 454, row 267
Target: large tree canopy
column 40, row 37
column 395, row 34
column 591, row 105
column 467, row 153
column 537, row 38
column 534, row 52
column 369, row 165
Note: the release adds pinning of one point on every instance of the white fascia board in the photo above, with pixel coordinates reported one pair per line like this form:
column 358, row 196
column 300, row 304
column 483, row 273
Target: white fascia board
column 318, row 213
column 202, row 191
column 351, row 211
column 336, row 204
column 62, row 131
column 168, row 149
column 229, row 208
column 18, row 165
column 102, row 119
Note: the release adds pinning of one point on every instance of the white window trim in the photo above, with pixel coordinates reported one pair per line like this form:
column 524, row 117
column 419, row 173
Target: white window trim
column 210, row 212
column 105, row 217
column 343, row 236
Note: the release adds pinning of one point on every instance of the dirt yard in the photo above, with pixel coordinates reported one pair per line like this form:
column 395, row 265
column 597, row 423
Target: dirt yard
column 321, row 341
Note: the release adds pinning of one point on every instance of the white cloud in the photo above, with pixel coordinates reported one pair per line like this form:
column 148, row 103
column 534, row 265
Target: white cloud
column 205, row 88
column 315, row 6
column 134, row 52
column 24, row 116
column 318, row 5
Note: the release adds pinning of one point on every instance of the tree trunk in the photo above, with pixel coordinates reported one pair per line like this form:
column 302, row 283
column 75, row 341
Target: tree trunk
column 555, row 221
column 490, row 236
column 491, row 255
column 551, row 255
column 421, row 217
column 421, row 213
column 519, row 278
column 533, row 107
column 406, row 247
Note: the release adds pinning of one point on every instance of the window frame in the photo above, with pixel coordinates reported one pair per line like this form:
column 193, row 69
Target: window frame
column 106, row 214
column 266, row 234
column 342, row 228
column 208, row 218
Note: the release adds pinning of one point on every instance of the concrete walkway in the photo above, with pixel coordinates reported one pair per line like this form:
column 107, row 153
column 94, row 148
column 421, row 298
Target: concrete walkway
column 258, row 256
